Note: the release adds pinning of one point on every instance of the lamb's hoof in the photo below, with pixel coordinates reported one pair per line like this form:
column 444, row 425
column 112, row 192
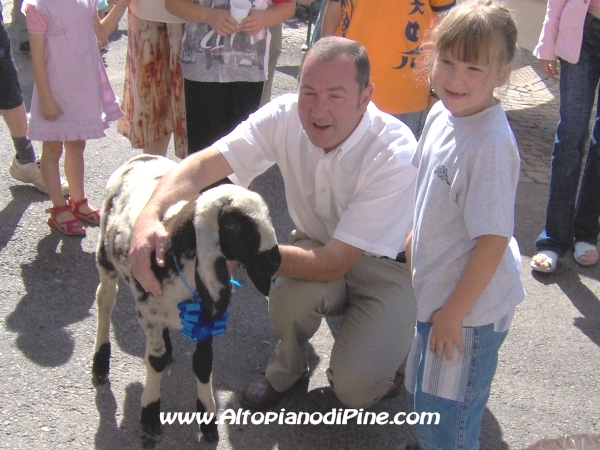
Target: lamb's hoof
column 210, row 433
column 151, row 429
column 101, row 365
column 99, row 379
column 151, row 418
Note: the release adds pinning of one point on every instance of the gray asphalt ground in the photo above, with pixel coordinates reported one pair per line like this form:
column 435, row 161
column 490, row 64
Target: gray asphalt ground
column 547, row 384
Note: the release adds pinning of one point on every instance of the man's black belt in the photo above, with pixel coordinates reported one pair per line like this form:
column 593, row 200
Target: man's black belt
column 401, row 257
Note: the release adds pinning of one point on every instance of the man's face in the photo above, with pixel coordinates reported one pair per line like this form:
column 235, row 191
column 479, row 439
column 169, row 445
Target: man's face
column 329, row 102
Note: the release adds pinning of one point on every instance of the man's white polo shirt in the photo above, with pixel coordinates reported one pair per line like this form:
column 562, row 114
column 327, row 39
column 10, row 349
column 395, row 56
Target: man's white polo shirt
column 362, row 193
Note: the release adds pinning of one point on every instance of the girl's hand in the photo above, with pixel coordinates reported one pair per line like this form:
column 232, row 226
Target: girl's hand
column 222, row 22
column 50, row 110
column 549, row 67
column 254, row 22
column 445, row 333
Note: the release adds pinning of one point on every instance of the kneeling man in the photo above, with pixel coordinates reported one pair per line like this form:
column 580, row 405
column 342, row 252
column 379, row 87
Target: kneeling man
column 349, row 186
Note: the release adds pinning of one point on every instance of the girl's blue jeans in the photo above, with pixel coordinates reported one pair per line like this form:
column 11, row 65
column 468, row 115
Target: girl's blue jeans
column 570, row 218
column 460, row 418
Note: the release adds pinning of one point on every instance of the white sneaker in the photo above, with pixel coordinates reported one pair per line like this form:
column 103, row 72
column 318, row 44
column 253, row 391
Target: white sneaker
column 30, row 173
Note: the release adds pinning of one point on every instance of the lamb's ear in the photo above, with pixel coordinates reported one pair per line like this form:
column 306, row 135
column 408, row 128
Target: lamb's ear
column 262, row 281
column 261, row 268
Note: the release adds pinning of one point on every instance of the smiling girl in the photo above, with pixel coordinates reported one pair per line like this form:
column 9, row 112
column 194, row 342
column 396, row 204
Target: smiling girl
column 465, row 262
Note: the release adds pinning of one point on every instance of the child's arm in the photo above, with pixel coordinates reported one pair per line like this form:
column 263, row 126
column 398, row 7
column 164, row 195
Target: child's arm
column 218, row 19
column 447, row 321
column 106, row 26
column 37, row 44
column 331, row 18
column 259, row 19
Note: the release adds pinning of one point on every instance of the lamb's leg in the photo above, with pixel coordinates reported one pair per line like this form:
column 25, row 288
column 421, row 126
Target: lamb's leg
column 158, row 356
column 205, row 403
column 168, row 346
column 105, row 299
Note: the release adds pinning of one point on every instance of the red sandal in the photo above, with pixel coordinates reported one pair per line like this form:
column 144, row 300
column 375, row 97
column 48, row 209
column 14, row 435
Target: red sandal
column 92, row 217
column 71, row 227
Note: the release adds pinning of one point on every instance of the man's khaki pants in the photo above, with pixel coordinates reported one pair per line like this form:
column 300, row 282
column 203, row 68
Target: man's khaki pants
column 379, row 308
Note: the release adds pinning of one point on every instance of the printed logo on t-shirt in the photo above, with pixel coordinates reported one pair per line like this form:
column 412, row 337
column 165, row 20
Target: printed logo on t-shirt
column 442, row 172
column 209, row 57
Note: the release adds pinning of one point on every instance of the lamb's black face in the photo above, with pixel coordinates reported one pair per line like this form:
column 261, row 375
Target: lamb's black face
column 240, row 240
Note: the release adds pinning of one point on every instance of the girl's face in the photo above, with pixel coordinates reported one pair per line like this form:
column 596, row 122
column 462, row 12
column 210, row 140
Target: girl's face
column 466, row 88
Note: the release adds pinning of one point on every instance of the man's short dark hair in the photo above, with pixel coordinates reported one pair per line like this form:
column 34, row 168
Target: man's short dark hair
column 332, row 47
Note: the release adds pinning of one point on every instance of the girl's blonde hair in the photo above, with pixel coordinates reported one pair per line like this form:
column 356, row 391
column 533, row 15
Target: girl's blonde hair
column 473, row 31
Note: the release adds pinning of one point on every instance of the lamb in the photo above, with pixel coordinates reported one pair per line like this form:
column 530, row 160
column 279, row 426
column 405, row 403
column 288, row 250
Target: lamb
column 225, row 223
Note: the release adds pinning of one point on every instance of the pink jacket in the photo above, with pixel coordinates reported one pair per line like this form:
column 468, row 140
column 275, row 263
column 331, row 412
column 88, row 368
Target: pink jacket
column 562, row 31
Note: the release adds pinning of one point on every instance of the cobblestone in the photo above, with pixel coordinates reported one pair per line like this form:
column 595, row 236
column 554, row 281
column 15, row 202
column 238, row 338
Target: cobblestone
column 531, row 104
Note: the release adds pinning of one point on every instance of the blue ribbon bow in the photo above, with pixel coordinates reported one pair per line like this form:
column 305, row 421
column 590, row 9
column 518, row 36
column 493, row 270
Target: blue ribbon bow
column 194, row 325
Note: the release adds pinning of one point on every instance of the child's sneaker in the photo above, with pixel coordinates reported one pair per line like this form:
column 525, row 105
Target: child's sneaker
column 30, row 173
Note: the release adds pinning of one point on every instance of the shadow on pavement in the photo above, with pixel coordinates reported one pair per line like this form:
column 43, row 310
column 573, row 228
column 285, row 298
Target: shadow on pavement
column 111, row 434
column 292, row 71
column 586, row 302
column 10, row 216
column 569, row 276
column 60, row 284
column 491, row 433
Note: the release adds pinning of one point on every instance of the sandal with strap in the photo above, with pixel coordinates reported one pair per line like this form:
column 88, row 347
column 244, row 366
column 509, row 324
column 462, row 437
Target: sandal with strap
column 550, row 258
column 71, row 227
column 92, row 217
column 581, row 250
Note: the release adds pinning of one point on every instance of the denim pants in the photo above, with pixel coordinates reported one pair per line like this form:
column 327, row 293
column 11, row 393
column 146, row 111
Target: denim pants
column 10, row 89
column 457, row 390
column 568, row 220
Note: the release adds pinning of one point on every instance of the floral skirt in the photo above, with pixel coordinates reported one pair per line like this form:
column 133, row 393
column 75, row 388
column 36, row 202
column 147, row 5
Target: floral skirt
column 153, row 98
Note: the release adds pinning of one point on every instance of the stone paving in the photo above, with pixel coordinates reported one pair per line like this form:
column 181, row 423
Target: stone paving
column 531, row 104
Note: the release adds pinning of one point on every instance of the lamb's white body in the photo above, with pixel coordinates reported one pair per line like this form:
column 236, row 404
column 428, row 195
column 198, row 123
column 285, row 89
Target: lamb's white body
column 224, row 223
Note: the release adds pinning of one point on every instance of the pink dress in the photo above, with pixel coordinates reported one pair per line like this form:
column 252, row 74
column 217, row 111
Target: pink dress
column 76, row 75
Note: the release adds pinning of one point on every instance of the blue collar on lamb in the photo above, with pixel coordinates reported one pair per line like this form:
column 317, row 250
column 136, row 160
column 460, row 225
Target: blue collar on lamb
column 194, row 325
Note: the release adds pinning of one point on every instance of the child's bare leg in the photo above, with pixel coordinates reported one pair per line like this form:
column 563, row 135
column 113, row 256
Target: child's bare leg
column 74, row 166
column 159, row 147
column 16, row 120
column 49, row 166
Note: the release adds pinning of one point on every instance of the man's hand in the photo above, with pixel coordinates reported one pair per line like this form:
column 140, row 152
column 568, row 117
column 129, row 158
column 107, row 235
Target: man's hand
column 149, row 235
column 445, row 332
column 308, row 260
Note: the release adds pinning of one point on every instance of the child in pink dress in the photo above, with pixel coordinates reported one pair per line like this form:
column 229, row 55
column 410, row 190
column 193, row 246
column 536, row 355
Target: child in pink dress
column 72, row 98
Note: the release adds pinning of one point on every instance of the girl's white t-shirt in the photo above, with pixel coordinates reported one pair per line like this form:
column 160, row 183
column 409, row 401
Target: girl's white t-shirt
column 468, row 170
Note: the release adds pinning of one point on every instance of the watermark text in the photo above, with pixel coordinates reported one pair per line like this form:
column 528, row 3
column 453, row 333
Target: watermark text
column 337, row 416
